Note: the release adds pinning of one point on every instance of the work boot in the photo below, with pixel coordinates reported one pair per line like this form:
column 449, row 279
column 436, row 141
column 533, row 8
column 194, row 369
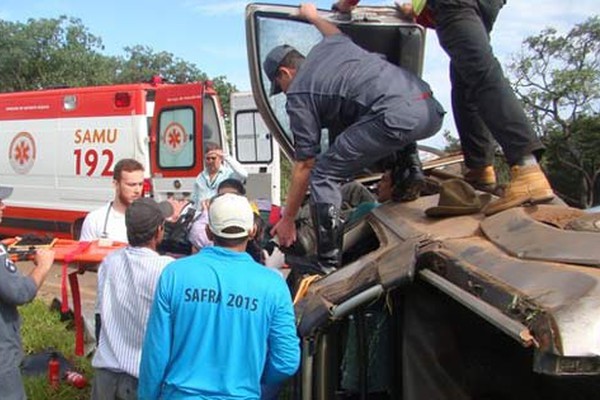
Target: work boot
column 329, row 230
column 482, row 178
column 408, row 175
column 528, row 184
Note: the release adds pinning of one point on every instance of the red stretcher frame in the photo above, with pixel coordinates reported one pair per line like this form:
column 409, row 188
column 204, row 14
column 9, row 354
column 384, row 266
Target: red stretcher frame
column 81, row 255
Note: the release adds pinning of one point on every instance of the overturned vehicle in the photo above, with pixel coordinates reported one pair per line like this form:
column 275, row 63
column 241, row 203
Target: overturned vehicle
column 455, row 307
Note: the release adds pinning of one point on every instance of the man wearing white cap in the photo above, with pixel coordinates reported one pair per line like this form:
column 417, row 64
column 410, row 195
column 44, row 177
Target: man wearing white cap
column 15, row 290
column 221, row 324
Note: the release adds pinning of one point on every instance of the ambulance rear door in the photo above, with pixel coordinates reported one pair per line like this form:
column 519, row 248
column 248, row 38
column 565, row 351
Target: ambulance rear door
column 255, row 148
column 176, row 139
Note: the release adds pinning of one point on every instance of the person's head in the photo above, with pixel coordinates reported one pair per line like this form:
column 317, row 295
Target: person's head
column 385, row 186
column 213, row 157
column 281, row 65
column 231, row 185
column 230, row 221
column 128, row 180
column 5, row 192
column 145, row 220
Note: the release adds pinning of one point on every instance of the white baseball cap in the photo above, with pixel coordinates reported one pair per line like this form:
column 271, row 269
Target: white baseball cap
column 230, row 216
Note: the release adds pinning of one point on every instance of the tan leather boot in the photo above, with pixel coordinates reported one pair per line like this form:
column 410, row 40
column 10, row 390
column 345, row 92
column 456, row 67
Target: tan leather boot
column 483, row 178
column 528, row 184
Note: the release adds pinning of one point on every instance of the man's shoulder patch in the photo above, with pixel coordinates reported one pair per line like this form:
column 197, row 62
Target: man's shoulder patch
column 5, row 259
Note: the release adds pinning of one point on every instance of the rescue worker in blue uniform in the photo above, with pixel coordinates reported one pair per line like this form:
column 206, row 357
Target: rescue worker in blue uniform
column 380, row 107
column 15, row 290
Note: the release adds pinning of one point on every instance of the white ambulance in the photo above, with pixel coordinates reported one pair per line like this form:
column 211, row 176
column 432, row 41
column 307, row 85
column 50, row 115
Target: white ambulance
column 58, row 147
column 254, row 147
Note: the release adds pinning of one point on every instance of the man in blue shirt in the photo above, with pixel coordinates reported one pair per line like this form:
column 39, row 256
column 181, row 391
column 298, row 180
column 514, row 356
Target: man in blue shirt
column 221, row 324
column 379, row 108
column 218, row 166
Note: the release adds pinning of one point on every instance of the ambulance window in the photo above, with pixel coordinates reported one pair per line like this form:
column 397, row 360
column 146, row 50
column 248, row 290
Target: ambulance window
column 252, row 138
column 176, row 144
column 210, row 125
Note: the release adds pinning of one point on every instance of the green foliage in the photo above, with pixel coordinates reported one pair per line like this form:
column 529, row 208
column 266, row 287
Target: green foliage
column 42, row 329
column 141, row 63
column 558, row 79
column 224, row 89
column 49, row 52
column 573, row 162
column 452, row 143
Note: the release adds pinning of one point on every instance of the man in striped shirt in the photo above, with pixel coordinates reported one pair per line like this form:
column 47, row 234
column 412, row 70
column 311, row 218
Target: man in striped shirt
column 126, row 282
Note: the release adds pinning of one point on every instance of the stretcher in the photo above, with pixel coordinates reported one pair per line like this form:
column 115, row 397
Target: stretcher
column 81, row 255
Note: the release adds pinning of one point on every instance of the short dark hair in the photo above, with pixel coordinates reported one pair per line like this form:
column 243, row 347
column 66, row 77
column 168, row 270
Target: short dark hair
column 293, row 59
column 232, row 183
column 210, row 146
column 223, row 242
column 127, row 165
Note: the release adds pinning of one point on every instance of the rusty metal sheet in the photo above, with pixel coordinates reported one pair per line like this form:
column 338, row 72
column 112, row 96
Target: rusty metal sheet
column 521, row 236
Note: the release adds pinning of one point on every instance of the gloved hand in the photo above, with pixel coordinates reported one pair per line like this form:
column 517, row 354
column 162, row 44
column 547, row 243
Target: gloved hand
column 274, row 260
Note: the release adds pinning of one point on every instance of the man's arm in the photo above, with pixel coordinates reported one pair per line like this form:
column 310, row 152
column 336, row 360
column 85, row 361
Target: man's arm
column 285, row 229
column 43, row 260
column 238, row 169
column 157, row 342
column 87, row 230
column 197, row 235
column 283, row 357
column 17, row 289
column 308, row 11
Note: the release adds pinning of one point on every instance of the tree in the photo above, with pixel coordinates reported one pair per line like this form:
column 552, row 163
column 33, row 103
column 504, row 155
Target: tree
column 51, row 52
column 558, row 79
column 573, row 161
column 141, row 63
column 452, row 142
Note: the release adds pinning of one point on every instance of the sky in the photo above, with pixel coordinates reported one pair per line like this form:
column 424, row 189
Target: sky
column 211, row 33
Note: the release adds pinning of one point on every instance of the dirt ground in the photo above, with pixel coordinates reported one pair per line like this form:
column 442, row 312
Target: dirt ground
column 52, row 286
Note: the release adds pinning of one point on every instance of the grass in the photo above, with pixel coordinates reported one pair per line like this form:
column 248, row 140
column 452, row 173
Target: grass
column 42, row 329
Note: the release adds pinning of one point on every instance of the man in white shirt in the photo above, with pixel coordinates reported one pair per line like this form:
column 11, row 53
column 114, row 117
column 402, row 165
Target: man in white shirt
column 126, row 282
column 108, row 222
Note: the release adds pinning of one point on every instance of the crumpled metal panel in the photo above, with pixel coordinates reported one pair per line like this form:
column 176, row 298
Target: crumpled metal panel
column 556, row 299
column 521, row 236
column 559, row 303
column 390, row 266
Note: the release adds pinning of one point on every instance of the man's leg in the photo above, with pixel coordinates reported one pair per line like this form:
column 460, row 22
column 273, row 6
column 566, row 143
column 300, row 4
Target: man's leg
column 463, row 34
column 11, row 385
column 127, row 386
column 408, row 174
column 475, row 138
column 356, row 148
column 104, row 386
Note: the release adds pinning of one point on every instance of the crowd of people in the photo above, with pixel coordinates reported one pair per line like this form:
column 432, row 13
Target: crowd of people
column 219, row 323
